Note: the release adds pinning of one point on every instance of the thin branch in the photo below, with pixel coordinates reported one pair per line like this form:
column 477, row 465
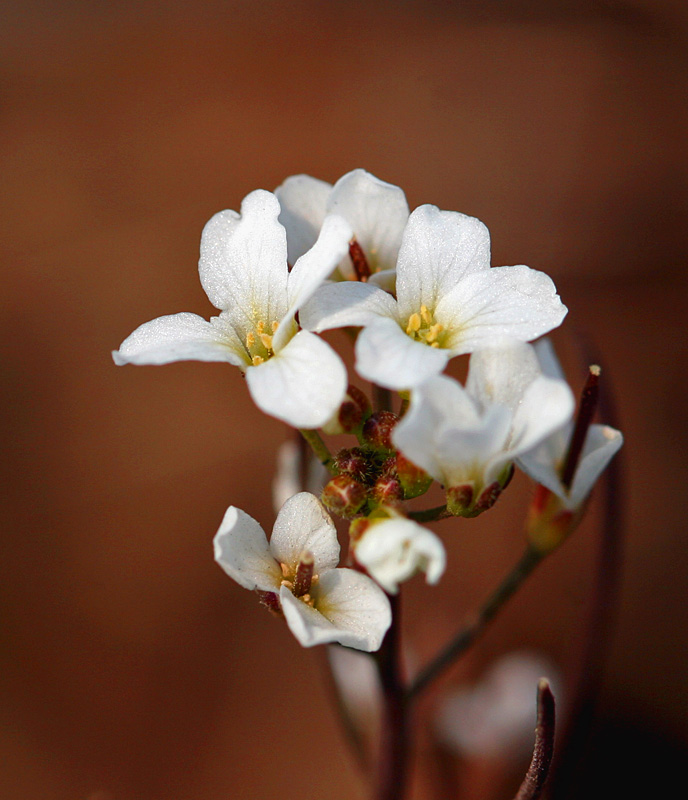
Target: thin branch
column 467, row 635
column 393, row 763
column 319, row 448
column 534, row 782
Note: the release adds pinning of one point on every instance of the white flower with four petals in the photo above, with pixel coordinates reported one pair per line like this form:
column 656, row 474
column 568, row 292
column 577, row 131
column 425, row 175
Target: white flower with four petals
column 292, row 374
column 449, row 301
column 339, row 605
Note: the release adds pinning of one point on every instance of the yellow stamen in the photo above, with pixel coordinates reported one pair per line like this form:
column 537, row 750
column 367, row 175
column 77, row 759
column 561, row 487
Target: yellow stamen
column 427, row 316
column 413, row 323
column 266, row 340
column 260, row 327
column 256, row 360
column 250, row 339
column 275, row 325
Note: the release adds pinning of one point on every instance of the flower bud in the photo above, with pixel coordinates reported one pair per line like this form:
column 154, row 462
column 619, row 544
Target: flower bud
column 387, row 491
column 414, row 480
column 353, row 461
column 377, row 430
column 549, row 522
column 459, row 500
column 344, row 495
column 354, row 409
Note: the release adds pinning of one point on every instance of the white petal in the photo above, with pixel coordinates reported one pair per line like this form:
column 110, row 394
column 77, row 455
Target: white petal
column 304, row 384
column 181, row 337
column 348, row 303
column 433, row 405
column 503, row 302
column 500, row 375
column 444, row 433
column 476, row 453
column 601, row 445
column 546, row 406
column 439, row 248
column 388, row 357
column 549, row 363
column 243, row 265
column 545, row 462
column 303, row 524
column 242, row 550
column 394, row 550
column 312, row 268
column 302, row 200
column 377, row 212
column 349, row 608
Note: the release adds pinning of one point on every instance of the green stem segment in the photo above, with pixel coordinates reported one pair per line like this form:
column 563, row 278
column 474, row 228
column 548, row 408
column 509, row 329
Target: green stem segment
column 430, row 514
column 319, row 448
column 467, row 635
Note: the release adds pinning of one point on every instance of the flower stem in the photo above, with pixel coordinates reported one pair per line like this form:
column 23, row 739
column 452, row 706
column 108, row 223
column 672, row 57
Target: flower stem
column 467, row 635
column 319, row 448
column 394, row 745
column 535, row 779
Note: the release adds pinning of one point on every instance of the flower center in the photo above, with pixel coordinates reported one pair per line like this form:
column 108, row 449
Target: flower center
column 421, row 327
column 300, row 580
column 259, row 343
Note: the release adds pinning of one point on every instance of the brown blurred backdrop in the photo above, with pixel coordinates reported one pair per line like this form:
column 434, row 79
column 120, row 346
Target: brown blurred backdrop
column 132, row 668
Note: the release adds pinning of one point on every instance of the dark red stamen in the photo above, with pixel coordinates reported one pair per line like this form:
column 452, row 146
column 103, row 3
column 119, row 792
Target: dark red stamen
column 359, row 260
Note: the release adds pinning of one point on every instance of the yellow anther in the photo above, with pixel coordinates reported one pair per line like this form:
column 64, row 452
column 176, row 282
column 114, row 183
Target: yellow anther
column 285, row 569
column 260, row 327
column 434, row 332
column 427, row 316
column 413, row 323
column 250, row 339
column 275, row 325
column 256, row 360
column 266, row 340
column 434, row 344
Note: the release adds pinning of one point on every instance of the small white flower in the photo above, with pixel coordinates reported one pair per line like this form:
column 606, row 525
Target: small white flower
column 467, row 438
column 291, row 374
column 377, row 212
column 449, row 301
column 393, row 550
column 495, row 718
column 339, row 605
column 544, row 463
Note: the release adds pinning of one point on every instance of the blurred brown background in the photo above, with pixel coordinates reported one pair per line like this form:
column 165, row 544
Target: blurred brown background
column 132, row 668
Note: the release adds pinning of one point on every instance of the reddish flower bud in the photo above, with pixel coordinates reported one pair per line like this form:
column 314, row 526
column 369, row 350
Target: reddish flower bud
column 414, row 480
column 353, row 461
column 377, row 430
column 344, row 496
column 355, row 408
column 459, row 499
column 387, row 491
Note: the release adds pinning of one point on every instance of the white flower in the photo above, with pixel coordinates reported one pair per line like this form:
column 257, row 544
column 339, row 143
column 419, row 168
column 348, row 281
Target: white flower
column 467, row 438
column 545, row 462
column 495, row 718
column 291, row 374
column 449, row 301
column 377, row 212
column 393, row 550
column 330, row 604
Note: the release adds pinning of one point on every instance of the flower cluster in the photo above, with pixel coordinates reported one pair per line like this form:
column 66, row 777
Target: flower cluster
column 415, row 289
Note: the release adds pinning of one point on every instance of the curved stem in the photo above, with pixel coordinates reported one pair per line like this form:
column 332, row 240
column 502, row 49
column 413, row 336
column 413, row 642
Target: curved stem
column 319, row 448
column 535, row 779
column 467, row 635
